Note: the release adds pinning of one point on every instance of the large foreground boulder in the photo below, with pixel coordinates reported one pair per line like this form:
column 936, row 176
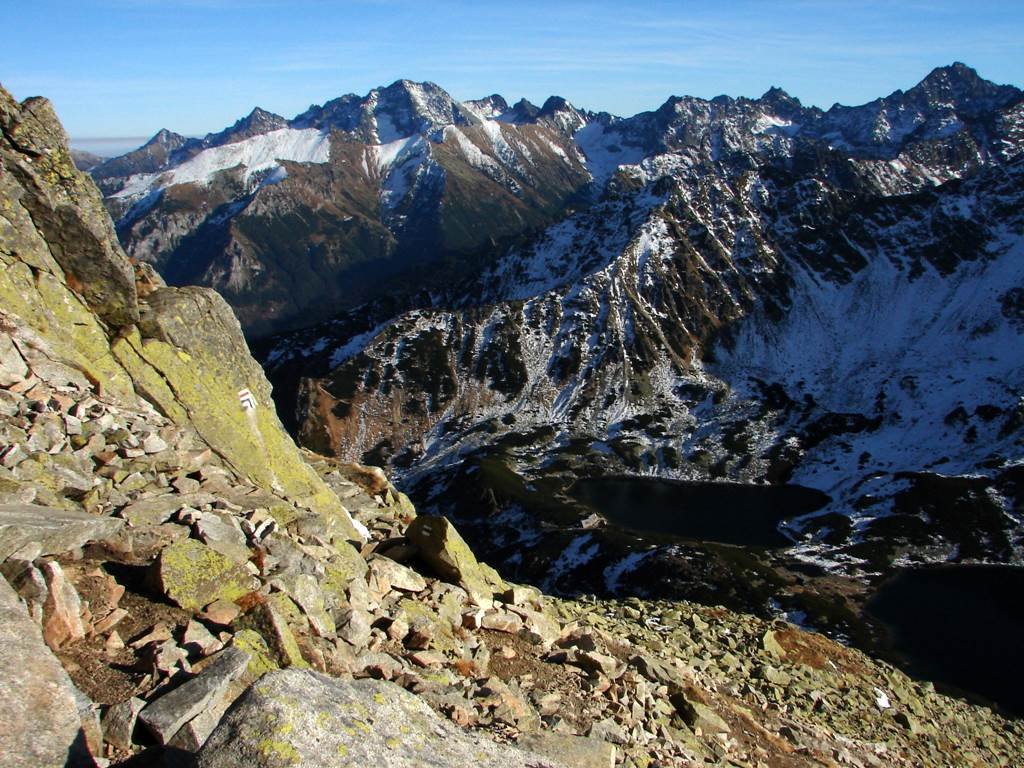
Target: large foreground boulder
column 302, row 718
column 39, row 721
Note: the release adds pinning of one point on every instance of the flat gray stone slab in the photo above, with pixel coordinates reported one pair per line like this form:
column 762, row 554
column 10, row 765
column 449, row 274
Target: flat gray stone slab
column 577, row 751
column 165, row 716
column 54, row 530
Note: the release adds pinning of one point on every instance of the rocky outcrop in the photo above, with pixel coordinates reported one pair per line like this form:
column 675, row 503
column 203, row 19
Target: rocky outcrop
column 65, row 209
column 441, row 546
column 189, row 358
column 70, row 312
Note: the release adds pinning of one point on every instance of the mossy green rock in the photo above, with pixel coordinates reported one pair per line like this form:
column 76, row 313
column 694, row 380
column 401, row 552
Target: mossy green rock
column 447, row 553
column 51, row 219
column 270, row 619
column 193, row 575
column 190, row 358
column 343, row 567
column 423, row 618
column 261, row 660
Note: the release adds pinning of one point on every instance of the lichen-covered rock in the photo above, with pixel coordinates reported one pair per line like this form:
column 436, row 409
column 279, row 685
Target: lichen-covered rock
column 295, row 718
column 65, row 206
column 427, row 628
column 343, row 567
column 192, row 361
column 261, row 659
column 305, row 591
column 447, row 553
column 65, row 285
column 391, row 575
column 269, row 619
column 193, row 575
column 39, row 721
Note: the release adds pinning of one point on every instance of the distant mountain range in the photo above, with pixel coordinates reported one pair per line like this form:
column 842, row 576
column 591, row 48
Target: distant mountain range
column 734, row 289
column 406, row 187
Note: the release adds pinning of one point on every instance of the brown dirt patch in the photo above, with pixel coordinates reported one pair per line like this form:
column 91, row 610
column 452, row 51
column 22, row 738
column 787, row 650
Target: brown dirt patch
column 526, row 661
column 109, row 680
column 565, row 680
column 817, row 651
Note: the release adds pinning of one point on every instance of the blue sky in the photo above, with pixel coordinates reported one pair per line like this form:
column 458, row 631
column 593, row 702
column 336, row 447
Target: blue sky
column 131, row 67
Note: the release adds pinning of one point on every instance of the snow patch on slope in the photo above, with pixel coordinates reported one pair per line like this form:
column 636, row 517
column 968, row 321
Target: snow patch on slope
column 909, row 350
column 474, row 156
column 258, row 153
column 580, row 551
column 604, row 151
column 393, row 153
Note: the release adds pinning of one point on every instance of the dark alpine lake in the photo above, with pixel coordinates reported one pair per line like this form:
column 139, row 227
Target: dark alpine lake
column 962, row 626
column 727, row 513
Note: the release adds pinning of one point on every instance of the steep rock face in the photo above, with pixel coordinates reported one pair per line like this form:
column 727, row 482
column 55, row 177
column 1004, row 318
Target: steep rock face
column 71, row 310
column 65, row 208
column 766, row 294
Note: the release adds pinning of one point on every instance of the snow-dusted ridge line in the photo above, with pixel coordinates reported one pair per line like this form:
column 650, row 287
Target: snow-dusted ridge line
column 258, row 153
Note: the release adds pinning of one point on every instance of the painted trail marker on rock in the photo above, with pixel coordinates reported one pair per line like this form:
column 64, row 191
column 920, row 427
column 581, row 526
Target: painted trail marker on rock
column 247, row 400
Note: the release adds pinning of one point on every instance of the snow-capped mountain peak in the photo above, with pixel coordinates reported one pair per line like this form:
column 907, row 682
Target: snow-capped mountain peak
column 488, row 108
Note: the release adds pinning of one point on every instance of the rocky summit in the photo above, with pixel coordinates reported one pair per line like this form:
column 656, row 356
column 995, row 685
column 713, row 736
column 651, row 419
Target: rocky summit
column 184, row 586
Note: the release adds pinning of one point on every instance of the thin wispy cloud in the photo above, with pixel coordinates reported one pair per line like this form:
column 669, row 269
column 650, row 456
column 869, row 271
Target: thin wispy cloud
column 196, row 65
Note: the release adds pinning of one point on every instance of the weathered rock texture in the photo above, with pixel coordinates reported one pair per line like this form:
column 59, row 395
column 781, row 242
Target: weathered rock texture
column 65, row 208
column 293, row 718
column 51, row 531
column 39, row 722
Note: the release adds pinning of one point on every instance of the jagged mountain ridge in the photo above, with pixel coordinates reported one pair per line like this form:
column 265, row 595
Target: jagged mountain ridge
column 446, row 186
column 705, row 319
column 294, row 220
